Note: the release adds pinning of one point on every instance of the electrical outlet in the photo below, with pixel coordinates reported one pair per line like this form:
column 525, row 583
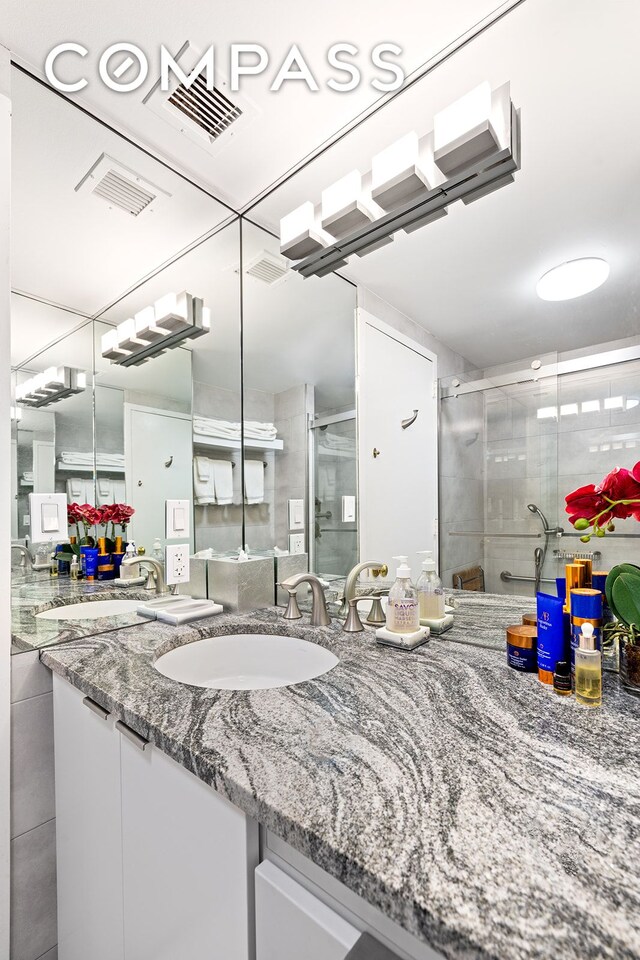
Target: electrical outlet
column 296, row 543
column 177, row 563
column 177, row 519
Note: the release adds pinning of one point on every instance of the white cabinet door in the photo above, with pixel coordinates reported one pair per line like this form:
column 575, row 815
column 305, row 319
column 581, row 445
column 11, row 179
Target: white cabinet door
column 398, row 468
column 158, row 448
column 291, row 923
column 188, row 856
column 88, row 829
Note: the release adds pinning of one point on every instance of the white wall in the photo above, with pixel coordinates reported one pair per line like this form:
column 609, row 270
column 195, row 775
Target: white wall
column 5, row 494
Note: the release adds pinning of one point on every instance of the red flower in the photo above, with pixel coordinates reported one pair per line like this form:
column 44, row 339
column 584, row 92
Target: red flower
column 621, row 484
column 109, row 513
column 89, row 515
column 585, row 502
column 124, row 513
column 73, row 512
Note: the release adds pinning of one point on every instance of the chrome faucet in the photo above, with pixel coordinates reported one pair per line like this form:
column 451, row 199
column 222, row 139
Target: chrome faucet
column 27, row 559
column 156, row 572
column 319, row 614
column 379, row 568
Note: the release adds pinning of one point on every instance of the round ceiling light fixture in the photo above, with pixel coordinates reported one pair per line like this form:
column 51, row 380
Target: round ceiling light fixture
column 572, row 279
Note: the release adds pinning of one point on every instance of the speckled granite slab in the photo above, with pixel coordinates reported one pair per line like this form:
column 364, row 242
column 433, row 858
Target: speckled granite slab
column 36, row 595
column 486, row 815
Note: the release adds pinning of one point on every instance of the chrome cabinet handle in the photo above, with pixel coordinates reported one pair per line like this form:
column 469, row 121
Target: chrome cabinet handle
column 409, row 420
column 138, row 741
column 96, row 708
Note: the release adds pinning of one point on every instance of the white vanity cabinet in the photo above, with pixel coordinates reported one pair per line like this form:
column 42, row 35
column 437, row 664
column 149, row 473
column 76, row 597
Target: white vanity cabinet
column 152, row 863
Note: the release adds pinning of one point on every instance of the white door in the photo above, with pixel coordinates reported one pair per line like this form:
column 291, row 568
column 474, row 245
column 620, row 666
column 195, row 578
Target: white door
column 291, row 923
column 188, row 856
column 158, row 466
column 88, row 829
column 398, row 467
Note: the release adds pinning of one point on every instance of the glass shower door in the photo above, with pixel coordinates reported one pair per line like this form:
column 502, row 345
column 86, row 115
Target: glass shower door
column 335, row 485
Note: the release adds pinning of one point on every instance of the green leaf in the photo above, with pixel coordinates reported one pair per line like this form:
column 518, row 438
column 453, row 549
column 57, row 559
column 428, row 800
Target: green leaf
column 626, row 598
column 629, row 568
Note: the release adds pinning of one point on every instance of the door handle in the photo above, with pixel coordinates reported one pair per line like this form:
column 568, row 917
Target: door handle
column 168, row 462
column 409, row 420
column 135, row 738
column 376, row 453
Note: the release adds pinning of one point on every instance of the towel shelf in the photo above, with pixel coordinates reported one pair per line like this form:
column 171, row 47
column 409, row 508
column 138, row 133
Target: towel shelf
column 87, row 468
column 222, row 443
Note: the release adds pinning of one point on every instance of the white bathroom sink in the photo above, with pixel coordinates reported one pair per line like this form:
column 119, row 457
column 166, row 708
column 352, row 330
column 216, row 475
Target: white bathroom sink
column 246, row 661
column 90, row 610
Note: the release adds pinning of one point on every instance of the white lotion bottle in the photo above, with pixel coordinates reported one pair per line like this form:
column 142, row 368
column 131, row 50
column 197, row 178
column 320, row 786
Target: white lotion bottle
column 430, row 590
column 403, row 614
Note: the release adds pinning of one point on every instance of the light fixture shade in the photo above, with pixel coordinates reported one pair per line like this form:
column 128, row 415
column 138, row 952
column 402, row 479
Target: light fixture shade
column 346, row 207
column 50, row 386
column 463, row 133
column 572, row 279
column 301, row 234
column 172, row 319
column 397, row 176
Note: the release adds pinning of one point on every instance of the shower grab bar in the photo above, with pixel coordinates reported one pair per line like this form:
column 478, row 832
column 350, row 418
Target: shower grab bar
column 493, row 536
column 507, row 577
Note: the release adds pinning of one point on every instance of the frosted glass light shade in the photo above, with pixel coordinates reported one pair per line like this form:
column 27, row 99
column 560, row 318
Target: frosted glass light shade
column 463, row 133
column 573, row 279
column 300, row 235
column 344, row 206
column 397, row 177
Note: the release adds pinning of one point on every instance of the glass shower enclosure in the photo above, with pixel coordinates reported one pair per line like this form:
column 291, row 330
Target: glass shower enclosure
column 515, row 441
column 334, row 474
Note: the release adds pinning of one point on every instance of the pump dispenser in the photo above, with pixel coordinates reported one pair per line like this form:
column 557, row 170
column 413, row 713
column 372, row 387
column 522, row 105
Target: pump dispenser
column 429, row 587
column 403, row 614
column 588, row 669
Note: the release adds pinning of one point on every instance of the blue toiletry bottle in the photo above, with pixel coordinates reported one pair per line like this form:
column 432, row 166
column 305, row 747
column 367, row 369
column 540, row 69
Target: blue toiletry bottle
column 553, row 639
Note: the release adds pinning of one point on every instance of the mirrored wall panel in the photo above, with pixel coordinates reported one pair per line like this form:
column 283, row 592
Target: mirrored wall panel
column 300, row 461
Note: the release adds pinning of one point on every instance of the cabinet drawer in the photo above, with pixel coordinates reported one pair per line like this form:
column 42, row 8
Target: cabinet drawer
column 292, row 923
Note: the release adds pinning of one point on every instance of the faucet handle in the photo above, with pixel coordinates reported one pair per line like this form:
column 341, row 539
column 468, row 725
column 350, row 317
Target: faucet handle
column 293, row 610
column 353, row 623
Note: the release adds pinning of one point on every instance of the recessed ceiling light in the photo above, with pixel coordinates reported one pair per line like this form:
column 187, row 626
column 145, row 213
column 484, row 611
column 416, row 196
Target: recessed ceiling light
column 572, row 279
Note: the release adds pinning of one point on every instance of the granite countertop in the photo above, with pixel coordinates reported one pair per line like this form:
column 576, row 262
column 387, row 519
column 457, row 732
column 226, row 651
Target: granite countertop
column 32, row 594
column 486, row 815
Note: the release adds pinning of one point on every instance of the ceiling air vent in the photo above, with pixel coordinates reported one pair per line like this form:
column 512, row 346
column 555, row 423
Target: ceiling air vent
column 209, row 118
column 209, row 109
column 268, row 267
column 120, row 187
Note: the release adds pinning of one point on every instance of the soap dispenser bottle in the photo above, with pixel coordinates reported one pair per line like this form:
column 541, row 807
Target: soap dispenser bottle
column 588, row 669
column 429, row 587
column 403, row 615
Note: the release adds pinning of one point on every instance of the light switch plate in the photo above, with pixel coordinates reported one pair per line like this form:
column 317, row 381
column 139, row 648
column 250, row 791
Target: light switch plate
column 177, row 519
column 296, row 514
column 348, row 509
column 296, row 543
column 176, row 563
column 48, row 513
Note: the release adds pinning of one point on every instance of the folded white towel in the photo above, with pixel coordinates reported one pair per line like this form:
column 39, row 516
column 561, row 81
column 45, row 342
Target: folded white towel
column 75, row 489
column 203, row 468
column 254, row 481
column 223, row 480
column 119, row 491
column 254, row 430
column 105, row 490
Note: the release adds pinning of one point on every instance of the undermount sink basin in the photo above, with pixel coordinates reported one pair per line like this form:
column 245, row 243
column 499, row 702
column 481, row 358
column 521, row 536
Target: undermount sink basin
column 246, row 661
column 90, row 610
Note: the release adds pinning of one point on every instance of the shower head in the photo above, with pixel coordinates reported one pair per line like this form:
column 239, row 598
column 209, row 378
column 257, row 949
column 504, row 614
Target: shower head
column 546, row 529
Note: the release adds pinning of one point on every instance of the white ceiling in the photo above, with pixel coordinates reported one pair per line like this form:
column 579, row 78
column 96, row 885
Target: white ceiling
column 470, row 277
column 270, row 144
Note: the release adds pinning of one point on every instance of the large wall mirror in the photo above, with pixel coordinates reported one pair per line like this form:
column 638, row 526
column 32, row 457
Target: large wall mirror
column 102, row 230
column 300, row 460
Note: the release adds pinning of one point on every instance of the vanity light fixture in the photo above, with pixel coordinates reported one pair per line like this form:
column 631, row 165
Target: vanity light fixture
column 172, row 319
column 572, row 279
column 50, row 386
column 473, row 149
